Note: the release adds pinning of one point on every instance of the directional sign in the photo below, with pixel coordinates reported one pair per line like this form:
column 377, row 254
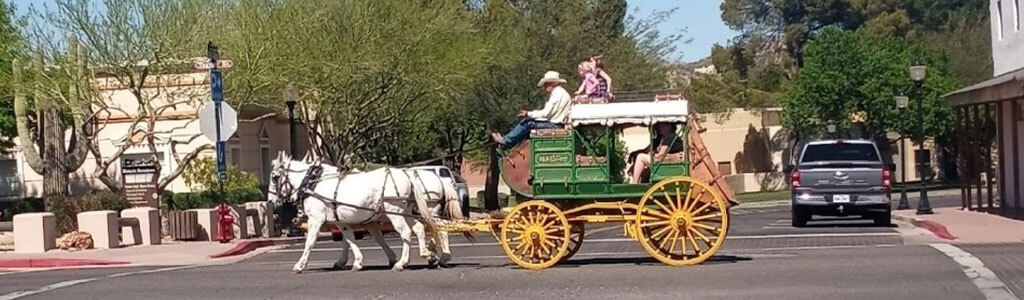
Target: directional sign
column 216, row 85
column 207, row 65
column 208, row 122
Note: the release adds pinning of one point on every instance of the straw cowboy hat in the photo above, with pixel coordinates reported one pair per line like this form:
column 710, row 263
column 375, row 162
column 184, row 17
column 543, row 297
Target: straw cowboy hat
column 549, row 77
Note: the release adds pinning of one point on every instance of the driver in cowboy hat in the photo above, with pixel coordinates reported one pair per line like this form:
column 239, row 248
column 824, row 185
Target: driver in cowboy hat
column 554, row 114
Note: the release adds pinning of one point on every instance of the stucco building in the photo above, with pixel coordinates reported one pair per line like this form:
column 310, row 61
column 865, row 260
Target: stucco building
column 176, row 130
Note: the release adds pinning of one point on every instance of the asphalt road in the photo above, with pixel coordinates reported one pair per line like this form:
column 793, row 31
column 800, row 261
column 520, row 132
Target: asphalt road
column 764, row 258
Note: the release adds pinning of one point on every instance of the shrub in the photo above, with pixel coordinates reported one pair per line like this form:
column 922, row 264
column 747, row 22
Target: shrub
column 27, row 205
column 210, row 198
column 65, row 210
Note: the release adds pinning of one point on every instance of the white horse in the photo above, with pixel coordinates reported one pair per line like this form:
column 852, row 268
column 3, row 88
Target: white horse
column 442, row 201
column 368, row 197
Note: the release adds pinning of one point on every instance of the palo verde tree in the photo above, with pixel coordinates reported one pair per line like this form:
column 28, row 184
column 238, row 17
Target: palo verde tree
column 143, row 48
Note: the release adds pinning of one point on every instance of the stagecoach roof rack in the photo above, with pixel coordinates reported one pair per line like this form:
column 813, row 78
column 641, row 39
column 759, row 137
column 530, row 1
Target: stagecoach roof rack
column 638, row 113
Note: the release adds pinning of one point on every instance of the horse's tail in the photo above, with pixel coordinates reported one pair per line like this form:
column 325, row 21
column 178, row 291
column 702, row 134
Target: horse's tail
column 419, row 194
column 454, row 208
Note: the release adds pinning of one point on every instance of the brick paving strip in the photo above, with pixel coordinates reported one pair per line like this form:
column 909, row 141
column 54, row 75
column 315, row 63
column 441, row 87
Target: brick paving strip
column 987, row 282
column 1005, row 259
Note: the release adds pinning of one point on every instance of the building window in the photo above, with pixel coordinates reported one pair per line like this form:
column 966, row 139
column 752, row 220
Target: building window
column 10, row 181
column 265, row 165
column 999, row 20
column 236, row 156
column 1016, row 15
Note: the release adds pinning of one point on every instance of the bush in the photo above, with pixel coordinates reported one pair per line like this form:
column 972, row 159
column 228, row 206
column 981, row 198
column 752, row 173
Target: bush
column 65, row 210
column 201, row 176
column 27, row 205
column 210, row 198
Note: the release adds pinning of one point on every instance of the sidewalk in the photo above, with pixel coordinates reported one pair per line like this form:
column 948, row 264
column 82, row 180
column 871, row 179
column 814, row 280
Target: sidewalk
column 170, row 253
column 953, row 225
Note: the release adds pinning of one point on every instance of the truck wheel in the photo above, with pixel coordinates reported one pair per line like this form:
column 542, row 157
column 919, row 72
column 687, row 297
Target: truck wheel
column 800, row 217
column 884, row 218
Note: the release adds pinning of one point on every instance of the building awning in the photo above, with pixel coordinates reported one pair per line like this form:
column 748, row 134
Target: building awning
column 1002, row 87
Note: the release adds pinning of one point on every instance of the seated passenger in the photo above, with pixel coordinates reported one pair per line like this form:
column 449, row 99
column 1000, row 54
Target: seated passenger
column 668, row 143
column 554, row 114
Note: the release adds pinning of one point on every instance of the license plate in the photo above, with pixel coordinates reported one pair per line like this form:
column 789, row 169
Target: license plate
column 840, row 198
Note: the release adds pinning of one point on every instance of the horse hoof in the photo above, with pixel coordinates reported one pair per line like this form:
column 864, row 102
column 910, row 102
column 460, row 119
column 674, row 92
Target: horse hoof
column 297, row 272
column 337, row 267
column 391, row 263
column 398, row 268
column 356, row 267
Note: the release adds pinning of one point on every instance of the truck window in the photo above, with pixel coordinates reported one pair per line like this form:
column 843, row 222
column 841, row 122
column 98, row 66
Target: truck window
column 445, row 173
column 840, row 152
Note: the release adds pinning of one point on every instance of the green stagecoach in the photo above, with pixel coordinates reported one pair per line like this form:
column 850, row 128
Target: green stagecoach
column 565, row 178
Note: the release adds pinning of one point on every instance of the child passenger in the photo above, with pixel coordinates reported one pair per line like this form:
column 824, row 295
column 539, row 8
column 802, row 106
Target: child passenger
column 589, row 85
column 604, row 81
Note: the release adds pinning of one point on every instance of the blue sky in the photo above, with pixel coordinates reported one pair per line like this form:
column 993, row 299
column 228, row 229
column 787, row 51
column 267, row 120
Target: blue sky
column 701, row 19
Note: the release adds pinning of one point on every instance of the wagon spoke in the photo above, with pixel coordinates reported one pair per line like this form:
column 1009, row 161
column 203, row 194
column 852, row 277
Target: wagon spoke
column 670, row 202
column 660, row 215
column 658, row 223
column 702, row 208
column 700, row 235
column 686, row 201
column 709, row 228
column 672, row 242
column 691, row 202
column 693, row 242
column 705, row 217
column 666, row 209
column 682, row 243
column 660, row 232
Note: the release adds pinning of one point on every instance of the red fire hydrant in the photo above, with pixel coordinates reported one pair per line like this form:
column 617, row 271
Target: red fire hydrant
column 225, row 223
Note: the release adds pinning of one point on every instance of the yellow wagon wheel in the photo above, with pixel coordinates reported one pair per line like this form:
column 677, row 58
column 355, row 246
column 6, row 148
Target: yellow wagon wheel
column 576, row 233
column 682, row 221
column 535, row 235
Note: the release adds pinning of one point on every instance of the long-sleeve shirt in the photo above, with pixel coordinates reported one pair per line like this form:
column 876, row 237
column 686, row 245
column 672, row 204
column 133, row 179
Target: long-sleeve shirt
column 556, row 110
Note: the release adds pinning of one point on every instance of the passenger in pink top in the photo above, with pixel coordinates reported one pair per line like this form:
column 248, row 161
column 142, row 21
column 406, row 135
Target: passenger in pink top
column 589, row 86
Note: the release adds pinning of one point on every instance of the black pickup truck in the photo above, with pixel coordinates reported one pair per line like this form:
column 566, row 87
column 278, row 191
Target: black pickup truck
column 841, row 178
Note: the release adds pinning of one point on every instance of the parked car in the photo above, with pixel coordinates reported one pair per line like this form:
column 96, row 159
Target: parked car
column 841, row 178
column 460, row 185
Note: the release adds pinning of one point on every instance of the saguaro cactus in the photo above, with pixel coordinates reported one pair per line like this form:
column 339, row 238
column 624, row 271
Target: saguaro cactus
column 52, row 159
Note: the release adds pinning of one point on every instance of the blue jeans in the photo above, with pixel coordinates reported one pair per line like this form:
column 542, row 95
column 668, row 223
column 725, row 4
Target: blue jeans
column 522, row 130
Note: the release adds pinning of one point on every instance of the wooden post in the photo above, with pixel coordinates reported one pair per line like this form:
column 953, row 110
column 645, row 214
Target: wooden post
column 1001, row 144
column 989, row 127
column 1016, row 154
column 979, row 139
column 961, row 148
column 968, row 171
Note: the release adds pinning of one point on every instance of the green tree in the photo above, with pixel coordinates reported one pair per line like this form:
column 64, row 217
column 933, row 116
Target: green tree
column 11, row 45
column 849, row 81
column 793, row 22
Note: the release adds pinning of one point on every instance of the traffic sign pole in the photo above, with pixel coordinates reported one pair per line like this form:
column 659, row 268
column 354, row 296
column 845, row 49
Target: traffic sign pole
column 217, row 93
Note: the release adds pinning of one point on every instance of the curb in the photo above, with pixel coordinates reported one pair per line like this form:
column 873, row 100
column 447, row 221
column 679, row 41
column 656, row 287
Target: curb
column 56, row 263
column 250, row 245
column 937, row 229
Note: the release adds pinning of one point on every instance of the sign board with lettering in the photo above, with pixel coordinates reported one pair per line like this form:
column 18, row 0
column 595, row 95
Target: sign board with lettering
column 139, row 179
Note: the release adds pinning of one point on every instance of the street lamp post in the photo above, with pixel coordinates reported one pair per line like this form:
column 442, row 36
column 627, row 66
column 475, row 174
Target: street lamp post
column 289, row 100
column 918, row 74
column 901, row 104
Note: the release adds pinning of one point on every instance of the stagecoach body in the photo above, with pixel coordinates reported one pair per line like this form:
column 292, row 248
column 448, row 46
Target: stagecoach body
column 565, row 178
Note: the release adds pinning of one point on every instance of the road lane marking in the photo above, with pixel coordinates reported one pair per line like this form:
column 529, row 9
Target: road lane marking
column 67, row 283
column 986, row 280
column 619, row 240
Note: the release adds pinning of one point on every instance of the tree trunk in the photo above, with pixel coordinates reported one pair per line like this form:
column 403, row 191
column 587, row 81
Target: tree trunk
column 491, row 186
column 55, row 175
